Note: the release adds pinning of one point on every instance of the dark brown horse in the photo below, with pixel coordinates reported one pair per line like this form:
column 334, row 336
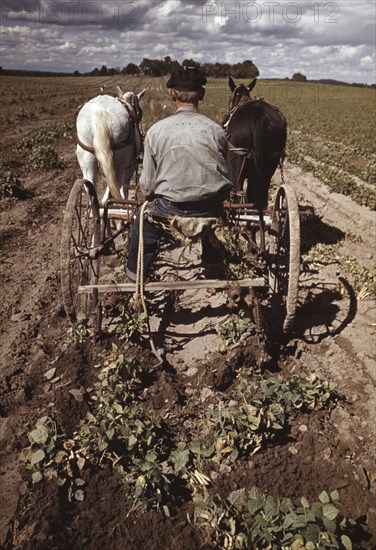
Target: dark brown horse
column 257, row 133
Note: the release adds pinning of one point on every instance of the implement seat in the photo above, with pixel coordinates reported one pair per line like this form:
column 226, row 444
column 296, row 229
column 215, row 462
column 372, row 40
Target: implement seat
column 186, row 230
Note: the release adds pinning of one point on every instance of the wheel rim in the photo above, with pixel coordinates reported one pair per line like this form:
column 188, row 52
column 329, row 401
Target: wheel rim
column 284, row 265
column 80, row 260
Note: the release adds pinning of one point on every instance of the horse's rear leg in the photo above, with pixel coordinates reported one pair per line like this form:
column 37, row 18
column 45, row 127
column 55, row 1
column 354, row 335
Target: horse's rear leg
column 258, row 188
column 257, row 191
column 88, row 165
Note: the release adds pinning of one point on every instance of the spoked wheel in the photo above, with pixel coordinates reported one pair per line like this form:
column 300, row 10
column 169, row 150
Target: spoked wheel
column 284, row 258
column 79, row 251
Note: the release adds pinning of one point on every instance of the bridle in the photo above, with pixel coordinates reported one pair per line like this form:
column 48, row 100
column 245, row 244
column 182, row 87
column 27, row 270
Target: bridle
column 238, row 97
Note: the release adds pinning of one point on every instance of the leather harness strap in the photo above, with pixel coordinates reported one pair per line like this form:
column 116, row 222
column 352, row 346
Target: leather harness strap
column 247, row 153
column 114, row 147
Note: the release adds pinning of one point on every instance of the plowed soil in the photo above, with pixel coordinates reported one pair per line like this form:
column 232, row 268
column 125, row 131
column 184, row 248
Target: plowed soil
column 334, row 338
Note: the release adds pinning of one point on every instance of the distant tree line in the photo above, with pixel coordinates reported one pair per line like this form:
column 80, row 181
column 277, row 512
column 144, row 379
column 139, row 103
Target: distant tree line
column 162, row 67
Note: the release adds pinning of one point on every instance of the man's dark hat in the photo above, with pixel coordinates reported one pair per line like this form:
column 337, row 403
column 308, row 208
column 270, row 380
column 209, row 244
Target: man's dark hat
column 187, row 79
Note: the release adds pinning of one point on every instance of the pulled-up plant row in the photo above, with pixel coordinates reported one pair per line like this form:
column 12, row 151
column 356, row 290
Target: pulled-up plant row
column 363, row 279
column 120, row 430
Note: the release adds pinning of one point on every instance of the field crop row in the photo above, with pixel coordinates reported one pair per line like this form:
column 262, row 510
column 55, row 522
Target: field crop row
column 330, row 128
column 330, row 131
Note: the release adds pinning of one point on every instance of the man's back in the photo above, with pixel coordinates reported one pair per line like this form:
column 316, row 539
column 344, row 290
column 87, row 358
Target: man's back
column 188, row 157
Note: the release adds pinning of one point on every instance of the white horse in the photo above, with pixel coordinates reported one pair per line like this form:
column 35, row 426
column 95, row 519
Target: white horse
column 108, row 135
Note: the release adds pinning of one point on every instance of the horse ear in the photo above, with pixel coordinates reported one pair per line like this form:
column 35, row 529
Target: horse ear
column 141, row 94
column 252, row 84
column 120, row 91
column 231, row 83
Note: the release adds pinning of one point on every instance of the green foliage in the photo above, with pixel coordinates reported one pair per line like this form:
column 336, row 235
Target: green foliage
column 262, row 409
column 252, row 519
column 42, row 447
column 38, row 147
column 44, row 157
column 119, row 371
column 119, row 432
column 241, row 256
column 45, row 136
column 296, row 393
column 130, row 320
column 233, row 329
column 10, row 185
column 49, row 456
column 79, row 332
column 259, row 410
column 363, row 279
column 324, row 129
column 334, row 176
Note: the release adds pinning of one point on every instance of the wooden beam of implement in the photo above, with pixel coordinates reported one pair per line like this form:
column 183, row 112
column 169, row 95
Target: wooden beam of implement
column 174, row 285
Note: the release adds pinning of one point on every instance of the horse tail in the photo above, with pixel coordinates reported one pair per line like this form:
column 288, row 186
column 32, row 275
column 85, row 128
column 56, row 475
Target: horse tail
column 257, row 139
column 259, row 170
column 102, row 143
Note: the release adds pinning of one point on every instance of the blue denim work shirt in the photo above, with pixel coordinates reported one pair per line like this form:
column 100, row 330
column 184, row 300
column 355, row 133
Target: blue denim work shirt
column 185, row 158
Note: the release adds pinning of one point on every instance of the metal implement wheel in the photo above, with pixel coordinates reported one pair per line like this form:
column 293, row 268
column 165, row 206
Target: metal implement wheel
column 284, row 258
column 79, row 259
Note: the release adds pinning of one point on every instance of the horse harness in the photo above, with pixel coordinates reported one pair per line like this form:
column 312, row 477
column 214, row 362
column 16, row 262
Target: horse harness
column 122, row 144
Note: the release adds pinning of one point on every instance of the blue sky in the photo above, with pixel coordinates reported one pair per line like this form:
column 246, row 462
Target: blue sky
column 320, row 39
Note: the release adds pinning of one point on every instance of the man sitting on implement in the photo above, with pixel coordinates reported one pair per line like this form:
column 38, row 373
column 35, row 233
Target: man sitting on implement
column 184, row 168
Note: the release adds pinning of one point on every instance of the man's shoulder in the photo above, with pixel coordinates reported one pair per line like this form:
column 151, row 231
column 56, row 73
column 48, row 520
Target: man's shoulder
column 172, row 121
column 210, row 122
column 164, row 122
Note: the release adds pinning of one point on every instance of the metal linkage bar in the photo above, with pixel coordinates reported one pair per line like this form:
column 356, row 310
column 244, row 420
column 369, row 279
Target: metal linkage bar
column 246, row 212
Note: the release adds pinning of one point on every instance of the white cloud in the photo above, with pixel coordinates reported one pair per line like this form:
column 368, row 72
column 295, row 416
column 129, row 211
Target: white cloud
column 323, row 39
column 368, row 62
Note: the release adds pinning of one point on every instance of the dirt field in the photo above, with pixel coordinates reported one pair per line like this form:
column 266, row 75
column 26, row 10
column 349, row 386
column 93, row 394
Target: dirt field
column 322, row 450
